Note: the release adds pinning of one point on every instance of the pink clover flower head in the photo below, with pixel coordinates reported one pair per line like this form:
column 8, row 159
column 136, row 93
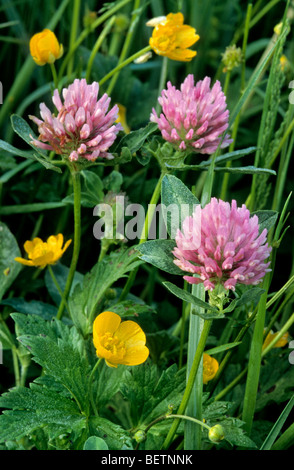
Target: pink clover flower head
column 229, row 249
column 194, row 117
column 83, row 127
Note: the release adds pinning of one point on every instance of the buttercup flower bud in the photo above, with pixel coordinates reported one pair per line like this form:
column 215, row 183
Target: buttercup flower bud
column 45, row 48
column 216, row 433
column 140, row 436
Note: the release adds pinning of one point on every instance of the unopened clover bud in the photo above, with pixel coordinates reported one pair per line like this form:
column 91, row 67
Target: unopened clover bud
column 170, row 409
column 140, row 436
column 232, row 58
column 216, row 433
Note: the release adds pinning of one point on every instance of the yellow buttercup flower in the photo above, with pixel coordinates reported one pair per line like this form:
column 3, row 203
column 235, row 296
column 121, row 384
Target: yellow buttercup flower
column 122, row 118
column 41, row 253
column 119, row 342
column 210, row 367
column 279, row 344
column 45, row 48
column 172, row 38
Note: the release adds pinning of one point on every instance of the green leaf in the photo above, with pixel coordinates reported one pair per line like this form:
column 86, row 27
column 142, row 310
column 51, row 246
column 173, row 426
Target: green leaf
column 223, row 347
column 15, row 151
column 135, row 139
column 28, row 208
column 35, row 307
column 190, row 298
column 230, row 156
column 269, row 441
column 95, row 443
column 61, row 352
column 37, row 407
column 151, row 392
column 114, row 435
column 9, row 268
column 61, row 273
column 253, row 294
column 93, row 185
column 267, row 219
column 21, row 127
column 128, row 308
column 234, row 433
column 85, row 298
column 159, row 254
column 181, row 201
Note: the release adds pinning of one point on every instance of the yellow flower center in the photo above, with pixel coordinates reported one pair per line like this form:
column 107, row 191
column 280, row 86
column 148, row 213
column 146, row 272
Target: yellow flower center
column 112, row 344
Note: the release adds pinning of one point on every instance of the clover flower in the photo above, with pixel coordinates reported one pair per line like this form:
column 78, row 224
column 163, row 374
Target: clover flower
column 119, row 342
column 210, row 367
column 45, row 48
column 82, row 128
column 227, row 250
column 194, row 117
column 172, row 38
column 41, row 253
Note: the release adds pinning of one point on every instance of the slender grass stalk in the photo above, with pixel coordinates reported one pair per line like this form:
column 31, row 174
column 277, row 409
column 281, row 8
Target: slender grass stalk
column 255, row 360
column 286, row 440
column 77, row 235
column 126, row 45
column 91, row 388
column 190, row 384
column 162, row 80
column 265, row 351
column 26, row 71
column 144, row 235
column 124, row 64
column 86, row 31
column 54, row 75
column 226, row 177
column 97, row 46
column 53, row 277
column 73, row 32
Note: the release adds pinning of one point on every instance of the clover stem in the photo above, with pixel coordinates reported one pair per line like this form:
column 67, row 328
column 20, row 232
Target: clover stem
column 77, row 239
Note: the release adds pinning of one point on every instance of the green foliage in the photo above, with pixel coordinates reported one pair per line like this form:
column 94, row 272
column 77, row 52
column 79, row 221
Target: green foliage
column 9, row 269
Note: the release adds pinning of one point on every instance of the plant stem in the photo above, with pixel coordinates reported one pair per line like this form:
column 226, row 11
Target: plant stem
column 77, row 236
column 162, row 80
column 91, row 388
column 88, row 30
column 144, row 235
column 190, row 382
column 97, row 45
column 54, row 75
column 57, row 285
column 123, row 64
column 73, row 32
column 126, row 44
column 255, row 360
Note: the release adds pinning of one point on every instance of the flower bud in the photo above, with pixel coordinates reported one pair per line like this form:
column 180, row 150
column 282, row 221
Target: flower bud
column 140, row 436
column 232, row 58
column 216, row 433
column 45, row 48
